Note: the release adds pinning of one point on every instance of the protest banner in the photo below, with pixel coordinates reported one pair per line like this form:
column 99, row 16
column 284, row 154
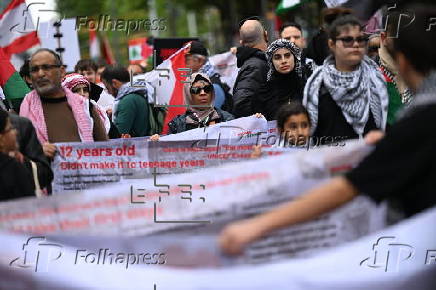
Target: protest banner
column 226, row 65
column 203, row 201
column 81, row 166
column 341, row 267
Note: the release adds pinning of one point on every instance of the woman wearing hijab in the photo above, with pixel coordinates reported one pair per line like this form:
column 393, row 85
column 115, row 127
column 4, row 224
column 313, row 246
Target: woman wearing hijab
column 199, row 96
column 285, row 75
column 347, row 95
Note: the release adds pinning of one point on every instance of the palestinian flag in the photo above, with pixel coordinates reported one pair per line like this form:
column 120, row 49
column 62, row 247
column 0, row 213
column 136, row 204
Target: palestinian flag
column 286, row 5
column 14, row 87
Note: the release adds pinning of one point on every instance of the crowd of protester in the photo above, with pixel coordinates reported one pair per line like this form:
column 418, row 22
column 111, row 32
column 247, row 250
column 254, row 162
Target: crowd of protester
column 345, row 84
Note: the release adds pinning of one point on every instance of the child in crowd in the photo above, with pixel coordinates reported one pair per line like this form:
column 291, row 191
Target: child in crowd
column 79, row 84
column 293, row 126
column 97, row 92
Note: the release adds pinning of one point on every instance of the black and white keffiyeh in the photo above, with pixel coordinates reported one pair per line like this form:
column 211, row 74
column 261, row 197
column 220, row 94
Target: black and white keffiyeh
column 425, row 95
column 283, row 43
column 356, row 93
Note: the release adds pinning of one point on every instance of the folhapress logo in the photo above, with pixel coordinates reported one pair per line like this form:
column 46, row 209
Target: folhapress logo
column 388, row 255
column 37, row 254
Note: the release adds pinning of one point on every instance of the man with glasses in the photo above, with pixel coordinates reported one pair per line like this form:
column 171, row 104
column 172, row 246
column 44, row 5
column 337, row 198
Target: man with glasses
column 58, row 114
column 250, row 93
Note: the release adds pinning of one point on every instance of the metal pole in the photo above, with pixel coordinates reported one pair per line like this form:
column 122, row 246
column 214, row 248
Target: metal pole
column 152, row 13
column 115, row 37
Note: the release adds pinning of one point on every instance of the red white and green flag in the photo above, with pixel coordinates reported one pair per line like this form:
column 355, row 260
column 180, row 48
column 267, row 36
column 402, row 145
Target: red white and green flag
column 94, row 45
column 17, row 32
column 139, row 50
column 14, row 87
column 286, row 5
column 168, row 80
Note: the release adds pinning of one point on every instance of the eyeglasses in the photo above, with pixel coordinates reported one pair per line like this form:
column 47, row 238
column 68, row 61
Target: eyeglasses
column 44, row 67
column 196, row 90
column 348, row 41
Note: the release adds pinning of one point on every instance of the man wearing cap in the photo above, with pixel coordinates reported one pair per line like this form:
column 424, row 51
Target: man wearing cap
column 197, row 60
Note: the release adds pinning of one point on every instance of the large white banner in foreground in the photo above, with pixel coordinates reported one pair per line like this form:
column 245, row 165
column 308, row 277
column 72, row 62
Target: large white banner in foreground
column 401, row 257
column 202, row 202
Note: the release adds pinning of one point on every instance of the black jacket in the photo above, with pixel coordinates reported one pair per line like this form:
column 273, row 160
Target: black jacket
column 284, row 88
column 178, row 124
column 228, row 101
column 332, row 123
column 250, row 93
column 32, row 149
column 16, row 179
column 318, row 48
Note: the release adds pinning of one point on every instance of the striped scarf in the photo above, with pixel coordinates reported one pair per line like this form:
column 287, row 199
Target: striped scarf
column 425, row 95
column 31, row 108
column 356, row 93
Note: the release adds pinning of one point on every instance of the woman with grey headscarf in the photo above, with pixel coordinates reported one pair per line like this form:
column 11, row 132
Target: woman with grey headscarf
column 199, row 96
column 284, row 78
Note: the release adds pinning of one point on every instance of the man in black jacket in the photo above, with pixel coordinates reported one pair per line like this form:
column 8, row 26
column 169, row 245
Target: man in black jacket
column 250, row 93
column 30, row 148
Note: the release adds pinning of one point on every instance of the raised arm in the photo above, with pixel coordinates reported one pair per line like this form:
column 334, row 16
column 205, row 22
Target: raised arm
column 236, row 236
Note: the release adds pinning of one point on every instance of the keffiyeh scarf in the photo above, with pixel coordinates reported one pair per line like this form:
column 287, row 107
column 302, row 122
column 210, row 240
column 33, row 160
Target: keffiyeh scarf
column 425, row 95
column 200, row 118
column 31, row 108
column 283, row 43
column 356, row 93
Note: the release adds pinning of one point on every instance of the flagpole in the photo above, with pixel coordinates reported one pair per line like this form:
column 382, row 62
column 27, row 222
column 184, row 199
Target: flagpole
column 115, row 34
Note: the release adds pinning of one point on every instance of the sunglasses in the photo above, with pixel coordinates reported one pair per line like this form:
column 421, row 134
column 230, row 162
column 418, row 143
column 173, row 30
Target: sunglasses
column 348, row 41
column 196, row 90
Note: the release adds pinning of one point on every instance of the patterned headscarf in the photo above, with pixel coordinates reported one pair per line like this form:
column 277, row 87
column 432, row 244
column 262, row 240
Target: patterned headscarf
column 72, row 80
column 283, row 43
column 195, row 77
column 199, row 116
column 357, row 93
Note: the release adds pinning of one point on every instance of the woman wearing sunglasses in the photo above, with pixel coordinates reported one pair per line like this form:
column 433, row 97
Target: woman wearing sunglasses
column 199, row 96
column 347, row 95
